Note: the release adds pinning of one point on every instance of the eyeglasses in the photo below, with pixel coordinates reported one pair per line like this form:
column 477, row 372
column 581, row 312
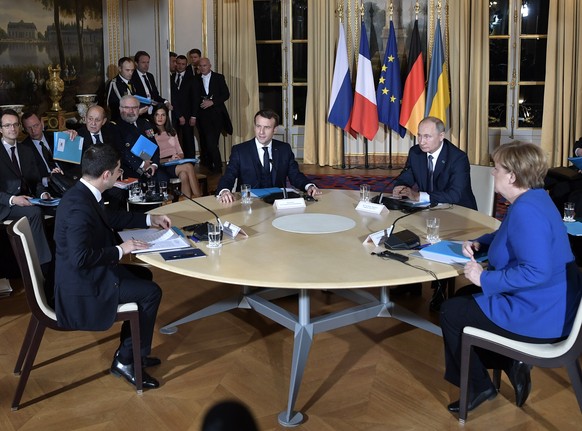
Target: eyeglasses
column 11, row 126
column 129, row 107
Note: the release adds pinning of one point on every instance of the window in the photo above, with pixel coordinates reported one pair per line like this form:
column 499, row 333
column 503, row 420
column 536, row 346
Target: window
column 517, row 63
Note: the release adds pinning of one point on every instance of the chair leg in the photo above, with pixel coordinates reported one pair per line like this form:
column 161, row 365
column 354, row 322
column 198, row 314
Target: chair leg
column 497, row 379
column 136, row 344
column 576, row 378
column 30, row 331
column 28, row 363
column 466, row 350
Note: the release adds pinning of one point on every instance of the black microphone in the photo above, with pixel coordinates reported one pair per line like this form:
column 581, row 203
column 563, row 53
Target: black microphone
column 200, row 230
column 404, row 240
column 378, row 199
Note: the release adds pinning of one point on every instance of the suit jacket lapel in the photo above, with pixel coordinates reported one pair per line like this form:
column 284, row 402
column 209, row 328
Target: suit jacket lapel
column 8, row 161
column 441, row 162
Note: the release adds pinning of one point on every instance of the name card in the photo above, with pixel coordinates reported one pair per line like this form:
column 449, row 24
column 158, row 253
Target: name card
column 232, row 230
column 377, row 237
column 370, row 207
column 281, row 204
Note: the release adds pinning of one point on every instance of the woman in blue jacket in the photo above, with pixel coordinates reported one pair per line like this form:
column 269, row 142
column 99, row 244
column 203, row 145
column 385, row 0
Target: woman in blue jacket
column 523, row 293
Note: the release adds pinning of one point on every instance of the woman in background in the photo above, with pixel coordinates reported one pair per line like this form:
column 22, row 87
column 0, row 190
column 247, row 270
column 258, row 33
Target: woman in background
column 170, row 150
column 523, row 294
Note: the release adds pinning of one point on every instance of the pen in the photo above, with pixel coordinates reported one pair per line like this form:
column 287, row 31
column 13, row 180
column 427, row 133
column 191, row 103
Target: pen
column 193, row 238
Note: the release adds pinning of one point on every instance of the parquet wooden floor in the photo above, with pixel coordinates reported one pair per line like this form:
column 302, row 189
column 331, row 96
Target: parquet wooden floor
column 376, row 375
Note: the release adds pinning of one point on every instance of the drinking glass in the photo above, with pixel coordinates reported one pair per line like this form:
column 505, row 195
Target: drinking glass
column 164, row 189
column 432, row 230
column 214, row 235
column 245, row 193
column 569, row 211
column 364, row 193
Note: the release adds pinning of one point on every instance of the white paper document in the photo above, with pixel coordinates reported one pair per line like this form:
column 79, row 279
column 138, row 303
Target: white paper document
column 159, row 239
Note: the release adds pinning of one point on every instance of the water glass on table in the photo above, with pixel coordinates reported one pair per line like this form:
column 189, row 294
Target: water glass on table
column 432, row 230
column 569, row 212
column 135, row 193
column 151, row 187
column 214, row 235
column 364, row 193
column 245, row 194
column 164, row 189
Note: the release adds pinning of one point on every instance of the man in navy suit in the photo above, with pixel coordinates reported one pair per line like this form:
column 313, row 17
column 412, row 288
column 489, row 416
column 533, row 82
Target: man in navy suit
column 440, row 171
column 213, row 118
column 263, row 162
column 20, row 180
column 185, row 100
column 144, row 83
column 89, row 280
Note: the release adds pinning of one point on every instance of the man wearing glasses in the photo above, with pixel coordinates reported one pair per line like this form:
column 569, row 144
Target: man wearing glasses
column 20, row 180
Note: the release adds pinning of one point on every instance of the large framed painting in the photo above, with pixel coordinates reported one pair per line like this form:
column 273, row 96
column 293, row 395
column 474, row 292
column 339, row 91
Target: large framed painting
column 35, row 34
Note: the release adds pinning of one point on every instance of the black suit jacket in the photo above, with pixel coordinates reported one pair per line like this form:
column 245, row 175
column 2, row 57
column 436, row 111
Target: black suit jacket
column 116, row 89
column 140, row 89
column 10, row 180
column 49, row 136
column 87, row 260
column 217, row 115
column 129, row 135
column 244, row 165
column 185, row 99
column 451, row 177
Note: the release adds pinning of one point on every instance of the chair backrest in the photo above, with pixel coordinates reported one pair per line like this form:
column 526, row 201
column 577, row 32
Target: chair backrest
column 22, row 242
column 483, row 189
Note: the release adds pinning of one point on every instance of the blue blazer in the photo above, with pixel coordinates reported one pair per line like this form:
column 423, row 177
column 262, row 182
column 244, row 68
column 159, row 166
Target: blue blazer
column 244, row 165
column 451, row 177
column 87, row 260
column 525, row 289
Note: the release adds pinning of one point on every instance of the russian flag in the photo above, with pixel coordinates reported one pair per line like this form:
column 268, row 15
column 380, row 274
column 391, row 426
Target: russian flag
column 342, row 99
column 365, row 111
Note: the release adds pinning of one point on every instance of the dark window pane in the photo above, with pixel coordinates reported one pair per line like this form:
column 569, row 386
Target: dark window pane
column 299, row 102
column 531, row 105
column 300, row 62
column 299, row 19
column 497, row 105
column 267, row 19
column 533, row 60
column 498, row 59
column 499, row 17
column 534, row 16
column 269, row 62
column 271, row 98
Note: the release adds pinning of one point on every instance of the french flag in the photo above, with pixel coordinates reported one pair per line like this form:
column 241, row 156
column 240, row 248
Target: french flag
column 365, row 111
column 342, row 99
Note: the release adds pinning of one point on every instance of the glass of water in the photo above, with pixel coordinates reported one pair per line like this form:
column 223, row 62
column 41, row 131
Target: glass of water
column 432, row 230
column 569, row 214
column 214, row 235
column 245, row 193
column 164, row 189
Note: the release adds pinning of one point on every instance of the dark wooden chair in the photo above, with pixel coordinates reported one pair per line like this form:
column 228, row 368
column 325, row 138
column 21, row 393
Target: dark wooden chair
column 43, row 316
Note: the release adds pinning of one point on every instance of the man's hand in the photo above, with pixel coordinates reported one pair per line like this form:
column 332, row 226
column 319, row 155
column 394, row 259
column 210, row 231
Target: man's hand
column 161, row 221
column 405, row 191
column 22, row 201
column 206, row 103
column 133, row 244
column 72, row 134
column 312, row 190
column 143, row 110
column 226, row 197
column 57, row 170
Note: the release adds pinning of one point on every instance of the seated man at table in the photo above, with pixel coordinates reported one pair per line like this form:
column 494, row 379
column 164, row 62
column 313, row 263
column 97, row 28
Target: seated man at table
column 263, row 162
column 440, row 171
column 89, row 281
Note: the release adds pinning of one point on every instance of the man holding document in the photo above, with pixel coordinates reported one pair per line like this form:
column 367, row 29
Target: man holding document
column 89, row 281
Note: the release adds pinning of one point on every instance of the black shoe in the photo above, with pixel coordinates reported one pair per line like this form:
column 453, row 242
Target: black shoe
column 476, row 401
column 150, row 361
column 126, row 371
column 410, row 289
column 519, row 376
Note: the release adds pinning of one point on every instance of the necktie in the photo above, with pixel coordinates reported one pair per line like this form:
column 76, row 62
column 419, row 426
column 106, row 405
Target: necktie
column 130, row 87
column 266, row 163
column 15, row 160
column 47, row 156
column 430, row 172
column 97, row 139
column 147, row 82
column 178, row 80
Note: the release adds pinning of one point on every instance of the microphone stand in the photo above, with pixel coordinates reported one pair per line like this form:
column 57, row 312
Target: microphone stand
column 379, row 198
column 224, row 227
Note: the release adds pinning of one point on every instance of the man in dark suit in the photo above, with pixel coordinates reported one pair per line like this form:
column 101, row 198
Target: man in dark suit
column 20, row 180
column 89, row 280
column 131, row 127
column 185, row 100
column 263, row 162
column 120, row 86
column 193, row 68
column 144, row 83
column 213, row 118
column 440, row 170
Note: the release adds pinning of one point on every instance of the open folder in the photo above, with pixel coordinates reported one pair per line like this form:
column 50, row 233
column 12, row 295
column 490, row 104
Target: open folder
column 159, row 239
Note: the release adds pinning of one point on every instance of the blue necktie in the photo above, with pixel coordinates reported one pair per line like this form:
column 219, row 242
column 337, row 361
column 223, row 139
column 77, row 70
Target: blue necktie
column 266, row 162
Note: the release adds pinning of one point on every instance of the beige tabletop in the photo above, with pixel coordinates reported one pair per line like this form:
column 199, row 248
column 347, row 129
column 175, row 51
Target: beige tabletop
column 271, row 257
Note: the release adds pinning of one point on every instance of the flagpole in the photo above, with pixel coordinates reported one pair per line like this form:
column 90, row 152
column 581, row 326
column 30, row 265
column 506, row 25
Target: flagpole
column 340, row 14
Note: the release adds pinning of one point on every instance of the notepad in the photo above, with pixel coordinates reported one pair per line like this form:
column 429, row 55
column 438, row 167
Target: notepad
column 159, row 239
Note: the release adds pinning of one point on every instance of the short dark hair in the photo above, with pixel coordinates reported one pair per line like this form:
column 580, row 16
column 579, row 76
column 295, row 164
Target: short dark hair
column 181, row 57
column 195, row 51
column 29, row 114
column 173, row 54
column 123, row 60
column 98, row 159
column 139, row 55
column 8, row 111
column 268, row 114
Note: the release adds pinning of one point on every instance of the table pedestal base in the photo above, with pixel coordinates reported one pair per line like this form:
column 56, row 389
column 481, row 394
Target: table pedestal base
column 304, row 328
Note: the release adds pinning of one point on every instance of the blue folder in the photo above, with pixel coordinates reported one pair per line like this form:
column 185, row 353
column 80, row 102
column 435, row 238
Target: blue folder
column 67, row 149
column 144, row 148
